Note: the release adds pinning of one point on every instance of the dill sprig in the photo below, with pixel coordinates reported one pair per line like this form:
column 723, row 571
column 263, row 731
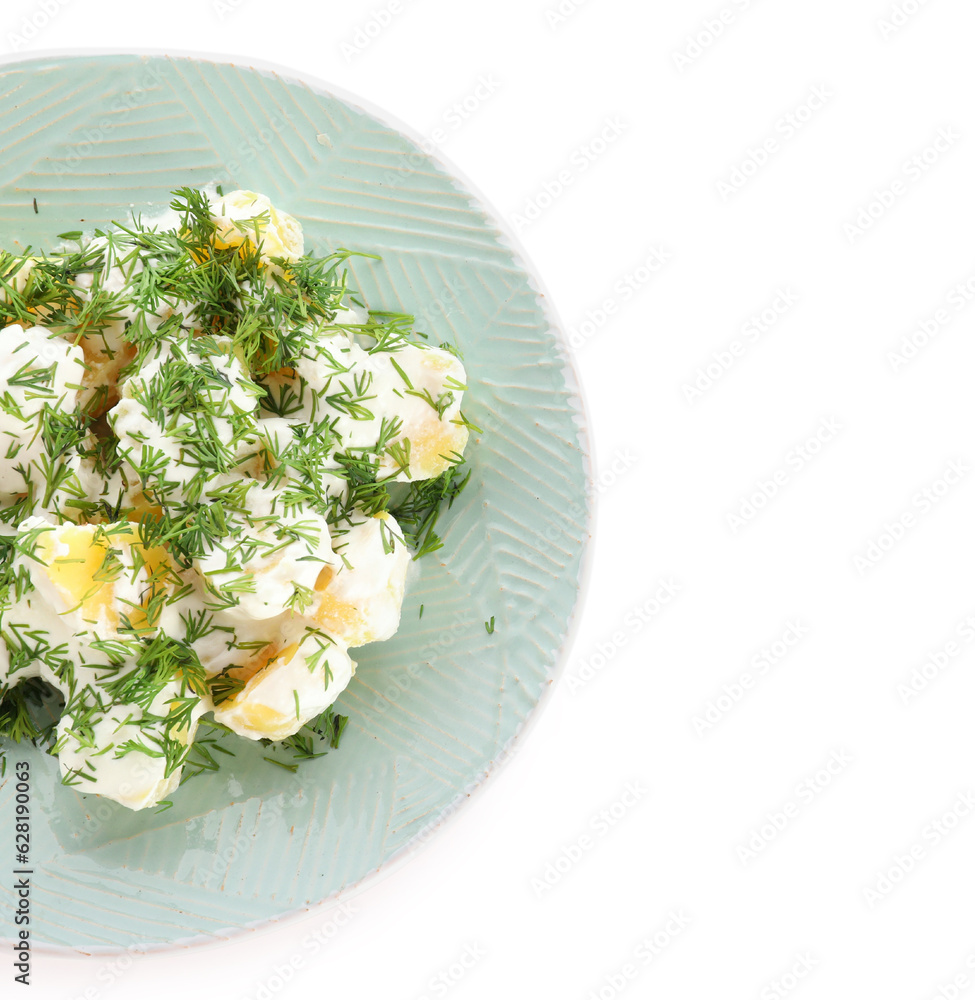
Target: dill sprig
column 419, row 506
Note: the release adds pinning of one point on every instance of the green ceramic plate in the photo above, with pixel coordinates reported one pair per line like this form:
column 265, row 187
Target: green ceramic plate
column 91, row 137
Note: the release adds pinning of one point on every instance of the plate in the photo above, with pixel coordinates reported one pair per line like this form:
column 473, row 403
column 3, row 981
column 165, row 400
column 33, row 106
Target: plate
column 432, row 711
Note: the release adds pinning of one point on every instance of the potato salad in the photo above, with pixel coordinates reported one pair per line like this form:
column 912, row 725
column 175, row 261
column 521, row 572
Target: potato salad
column 215, row 468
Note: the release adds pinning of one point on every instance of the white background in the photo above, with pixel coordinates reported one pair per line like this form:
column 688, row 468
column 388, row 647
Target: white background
column 811, row 893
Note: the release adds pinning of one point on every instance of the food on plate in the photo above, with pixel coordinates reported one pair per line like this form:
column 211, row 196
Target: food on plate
column 215, row 468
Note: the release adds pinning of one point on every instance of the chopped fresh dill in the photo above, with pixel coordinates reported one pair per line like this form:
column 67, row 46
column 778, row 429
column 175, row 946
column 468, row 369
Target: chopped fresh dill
column 293, row 768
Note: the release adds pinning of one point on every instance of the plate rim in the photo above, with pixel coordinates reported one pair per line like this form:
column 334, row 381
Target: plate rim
column 575, row 389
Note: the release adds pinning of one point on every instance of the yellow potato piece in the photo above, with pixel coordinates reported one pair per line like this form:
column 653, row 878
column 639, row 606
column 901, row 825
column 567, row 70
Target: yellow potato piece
column 281, row 235
column 83, row 562
column 432, row 448
column 287, row 691
column 343, row 620
column 361, row 603
column 247, row 714
column 74, row 572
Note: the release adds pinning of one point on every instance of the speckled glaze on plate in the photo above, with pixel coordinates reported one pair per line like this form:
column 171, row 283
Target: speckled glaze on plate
column 91, row 137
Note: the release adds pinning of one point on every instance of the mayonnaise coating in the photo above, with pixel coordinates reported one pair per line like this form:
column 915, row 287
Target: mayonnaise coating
column 40, row 376
column 296, row 684
column 360, row 601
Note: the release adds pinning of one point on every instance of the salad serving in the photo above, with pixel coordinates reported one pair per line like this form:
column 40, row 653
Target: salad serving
column 215, row 468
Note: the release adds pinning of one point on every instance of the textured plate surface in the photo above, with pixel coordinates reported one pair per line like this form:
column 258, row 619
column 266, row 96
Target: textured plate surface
column 91, row 137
